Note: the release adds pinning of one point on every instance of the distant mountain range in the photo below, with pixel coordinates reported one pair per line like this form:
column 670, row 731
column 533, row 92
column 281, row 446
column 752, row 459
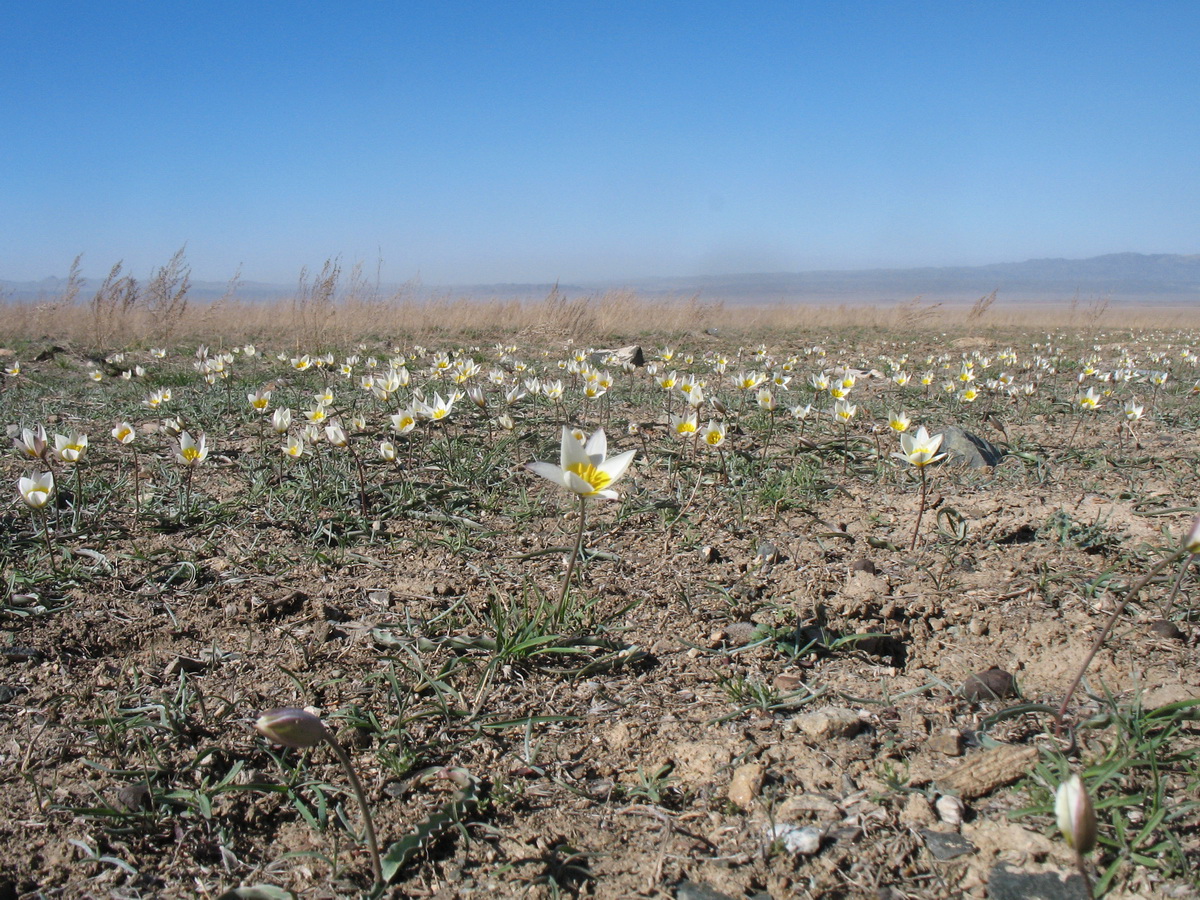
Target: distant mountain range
column 1152, row 278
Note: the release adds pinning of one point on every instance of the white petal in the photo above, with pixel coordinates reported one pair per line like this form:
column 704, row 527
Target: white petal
column 616, row 466
column 550, row 472
column 597, row 447
column 571, row 451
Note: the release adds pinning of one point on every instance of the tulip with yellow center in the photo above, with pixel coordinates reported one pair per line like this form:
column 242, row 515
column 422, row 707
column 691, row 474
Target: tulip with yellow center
column 294, row 447
column 586, row 470
column 439, row 409
column 281, row 420
column 260, row 400
column 123, row 433
column 70, row 449
column 920, row 450
column 685, row 426
column 1089, row 400
column 748, row 381
column 36, row 491
column 404, row 421
column 33, row 443
column 898, row 421
column 192, row 450
column 714, row 433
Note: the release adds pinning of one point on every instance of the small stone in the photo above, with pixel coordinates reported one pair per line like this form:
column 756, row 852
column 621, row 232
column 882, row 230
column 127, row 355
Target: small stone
column 993, row 684
column 787, row 684
column 134, row 797
column 863, row 565
column 947, row 743
column 796, row 840
column 692, row 890
column 950, row 809
column 1168, row 630
column 184, row 664
column 1015, row 884
column 946, row 845
column 739, row 634
column 768, row 553
column 828, row 723
column 808, row 805
column 746, row 784
column 710, row 554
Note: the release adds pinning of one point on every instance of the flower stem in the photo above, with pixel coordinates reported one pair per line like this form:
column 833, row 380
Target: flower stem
column 920, row 510
column 344, row 759
column 49, row 543
column 1104, row 632
column 566, row 585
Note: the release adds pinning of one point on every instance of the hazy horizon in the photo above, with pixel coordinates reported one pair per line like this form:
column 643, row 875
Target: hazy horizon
column 541, row 142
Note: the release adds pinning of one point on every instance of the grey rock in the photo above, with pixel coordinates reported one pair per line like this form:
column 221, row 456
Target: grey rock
column 1015, row 884
column 768, row 554
column 994, row 684
column 631, row 354
column 944, row 845
column 693, row 890
column 964, row 448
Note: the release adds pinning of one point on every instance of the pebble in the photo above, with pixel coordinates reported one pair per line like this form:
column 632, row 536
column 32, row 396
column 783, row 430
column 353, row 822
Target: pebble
column 950, row 809
column 946, row 845
column 797, row 840
column 745, row 785
column 947, row 743
column 826, row 723
column 992, row 684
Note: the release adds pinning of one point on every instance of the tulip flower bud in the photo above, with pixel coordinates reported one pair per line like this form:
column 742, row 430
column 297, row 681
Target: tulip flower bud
column 291, row 727
column 1192, row 542
column 1076, row 816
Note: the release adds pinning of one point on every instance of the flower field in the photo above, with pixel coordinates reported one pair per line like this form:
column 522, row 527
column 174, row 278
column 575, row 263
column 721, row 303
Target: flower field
column 823, row 614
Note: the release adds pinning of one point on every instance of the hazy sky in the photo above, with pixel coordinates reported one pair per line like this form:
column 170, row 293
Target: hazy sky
column 512, row 141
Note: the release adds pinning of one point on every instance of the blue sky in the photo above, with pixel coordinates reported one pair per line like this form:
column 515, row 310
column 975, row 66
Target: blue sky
column 481, row 142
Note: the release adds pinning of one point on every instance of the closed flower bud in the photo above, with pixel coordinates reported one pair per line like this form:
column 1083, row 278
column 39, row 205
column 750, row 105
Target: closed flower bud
column 1076, row 816
column 291, row 727
column 1192, row 542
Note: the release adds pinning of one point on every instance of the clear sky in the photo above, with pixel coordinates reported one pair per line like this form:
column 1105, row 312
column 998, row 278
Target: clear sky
column 518, row 141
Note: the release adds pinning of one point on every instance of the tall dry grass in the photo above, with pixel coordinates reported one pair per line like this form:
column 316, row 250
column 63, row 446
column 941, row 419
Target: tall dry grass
column 330, row 308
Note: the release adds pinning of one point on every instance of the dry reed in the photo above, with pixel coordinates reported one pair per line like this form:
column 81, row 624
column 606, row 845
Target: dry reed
column 329, row 310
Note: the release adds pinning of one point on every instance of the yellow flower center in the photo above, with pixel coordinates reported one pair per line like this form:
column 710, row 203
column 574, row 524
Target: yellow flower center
column 191, row 454
column 597, row 478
